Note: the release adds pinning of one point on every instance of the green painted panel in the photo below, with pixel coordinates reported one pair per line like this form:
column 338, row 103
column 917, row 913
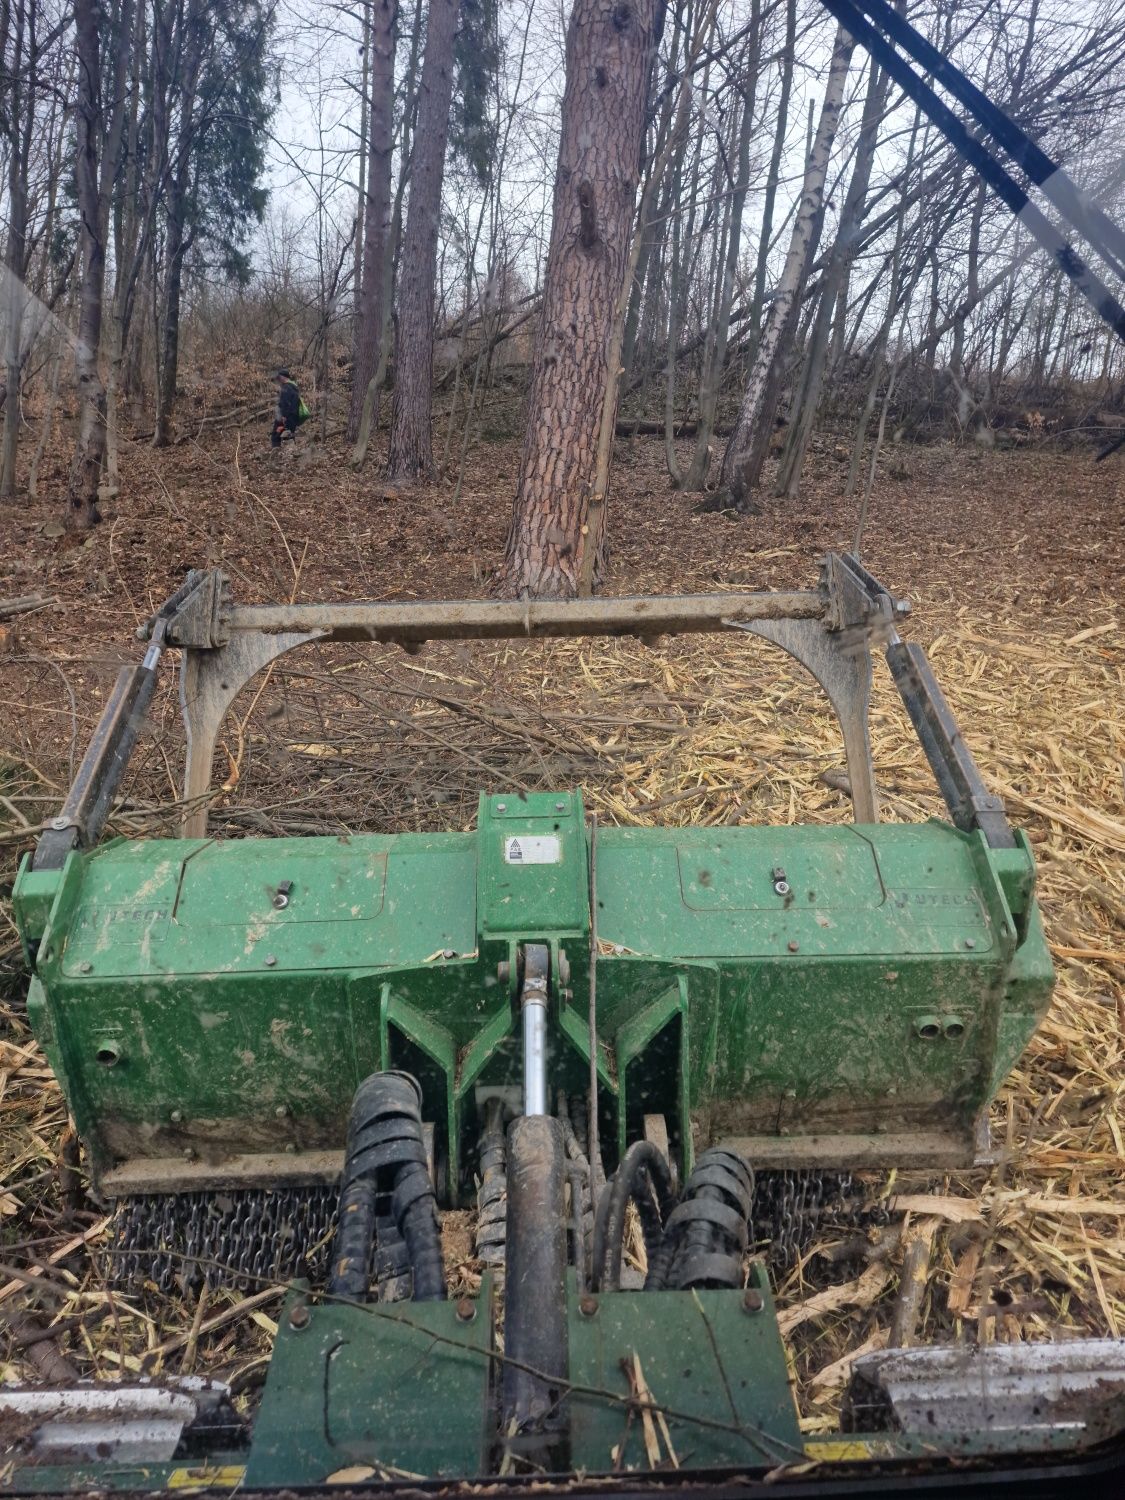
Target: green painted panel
column 706, row 894
column 716, row 1368
column 720, row 871
column 1027, row 995
column 397, row 1386
column 532, row 864
column 887, row 989
column 37, row 892
column 182, row 907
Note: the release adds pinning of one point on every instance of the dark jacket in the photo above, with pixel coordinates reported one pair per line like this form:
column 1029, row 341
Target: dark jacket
column 288, row 403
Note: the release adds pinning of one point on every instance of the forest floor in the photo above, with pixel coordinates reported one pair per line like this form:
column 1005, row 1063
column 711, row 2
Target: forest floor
column 1014, row 562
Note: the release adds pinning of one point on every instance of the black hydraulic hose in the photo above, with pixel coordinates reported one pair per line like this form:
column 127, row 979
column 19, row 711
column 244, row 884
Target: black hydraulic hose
column 492, row 1195
column 660, row 1264
column 706, row 1234
column 355, row 1241
column 643, row 1178
column 386, row 1175
column 416, row 1214
column 581, row 1181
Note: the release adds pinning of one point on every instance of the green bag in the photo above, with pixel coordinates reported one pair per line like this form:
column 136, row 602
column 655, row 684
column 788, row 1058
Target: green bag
column 303, row 413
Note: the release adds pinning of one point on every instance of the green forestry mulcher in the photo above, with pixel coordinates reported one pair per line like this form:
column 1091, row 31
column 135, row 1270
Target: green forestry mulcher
column 287, row 1056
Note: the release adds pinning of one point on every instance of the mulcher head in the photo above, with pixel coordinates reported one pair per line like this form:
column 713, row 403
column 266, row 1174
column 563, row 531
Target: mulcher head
column 286, row 1056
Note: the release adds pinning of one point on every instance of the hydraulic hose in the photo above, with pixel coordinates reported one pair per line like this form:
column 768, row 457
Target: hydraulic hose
column 580, row 1179
column 645, row 1179
column 386, row 1175
column 705, row 1236
column 355, row 1241
column 492, row 1195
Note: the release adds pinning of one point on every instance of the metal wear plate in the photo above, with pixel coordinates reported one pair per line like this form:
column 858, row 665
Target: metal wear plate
column 990, row 1388
column 141, row 1423
column 715, row 1368
column 399, row 1387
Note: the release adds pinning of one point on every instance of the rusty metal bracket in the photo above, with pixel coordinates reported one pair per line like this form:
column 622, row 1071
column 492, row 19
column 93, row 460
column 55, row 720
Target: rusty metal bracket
column 830, row 631
column 198, row 619
column 841, row 664
column 209, row 683
column 856, row 604
column 416, row 621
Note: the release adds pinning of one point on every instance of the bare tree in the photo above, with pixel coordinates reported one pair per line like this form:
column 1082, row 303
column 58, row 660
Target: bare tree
column 773, row 176
column 20, row 55
column 98, row 133
column 834, row 281
column 411, row 451
column 371, row 305
column 748, row 445
column 32, row 97
column 728, row 252
column 180, row 50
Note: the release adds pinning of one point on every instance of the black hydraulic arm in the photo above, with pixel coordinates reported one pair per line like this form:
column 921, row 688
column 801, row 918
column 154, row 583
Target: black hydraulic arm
column 1096, row 227
column 1092, row 224
column 88, row 802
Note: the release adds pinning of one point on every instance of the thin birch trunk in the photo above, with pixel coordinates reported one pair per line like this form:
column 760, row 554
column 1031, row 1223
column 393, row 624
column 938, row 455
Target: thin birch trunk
column 835, row 279
column 749, row 443
column 773, row 176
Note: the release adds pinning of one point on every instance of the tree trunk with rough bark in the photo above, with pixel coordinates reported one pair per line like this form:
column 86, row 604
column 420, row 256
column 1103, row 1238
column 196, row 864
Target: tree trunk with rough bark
column 178, row 236
column 169, row 361
column 377, row 212
column 749, row 443
column 411, row 451
column 364, row 137
column 19, row 107
column 608, row 49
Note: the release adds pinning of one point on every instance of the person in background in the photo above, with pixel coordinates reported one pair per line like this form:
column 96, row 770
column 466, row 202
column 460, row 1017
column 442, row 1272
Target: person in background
column 290, row 412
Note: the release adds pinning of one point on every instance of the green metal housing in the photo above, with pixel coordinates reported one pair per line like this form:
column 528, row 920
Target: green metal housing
column 209, row 1006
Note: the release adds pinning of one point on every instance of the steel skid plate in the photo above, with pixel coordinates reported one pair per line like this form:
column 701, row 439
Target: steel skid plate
column 381, row 1391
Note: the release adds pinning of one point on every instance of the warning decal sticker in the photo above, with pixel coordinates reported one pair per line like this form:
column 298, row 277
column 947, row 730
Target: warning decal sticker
column 533, row 849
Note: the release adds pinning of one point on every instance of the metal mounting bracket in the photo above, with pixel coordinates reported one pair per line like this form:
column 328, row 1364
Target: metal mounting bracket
column 209, row 683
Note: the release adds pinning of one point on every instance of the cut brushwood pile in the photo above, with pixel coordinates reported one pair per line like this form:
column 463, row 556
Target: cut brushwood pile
column 1010, row 562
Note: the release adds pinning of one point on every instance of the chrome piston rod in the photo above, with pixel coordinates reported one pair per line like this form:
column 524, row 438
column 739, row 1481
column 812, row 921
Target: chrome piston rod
column 533, row 1002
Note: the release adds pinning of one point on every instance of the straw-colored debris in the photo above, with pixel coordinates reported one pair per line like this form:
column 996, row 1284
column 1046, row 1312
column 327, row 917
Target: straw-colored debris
column 701, row 731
